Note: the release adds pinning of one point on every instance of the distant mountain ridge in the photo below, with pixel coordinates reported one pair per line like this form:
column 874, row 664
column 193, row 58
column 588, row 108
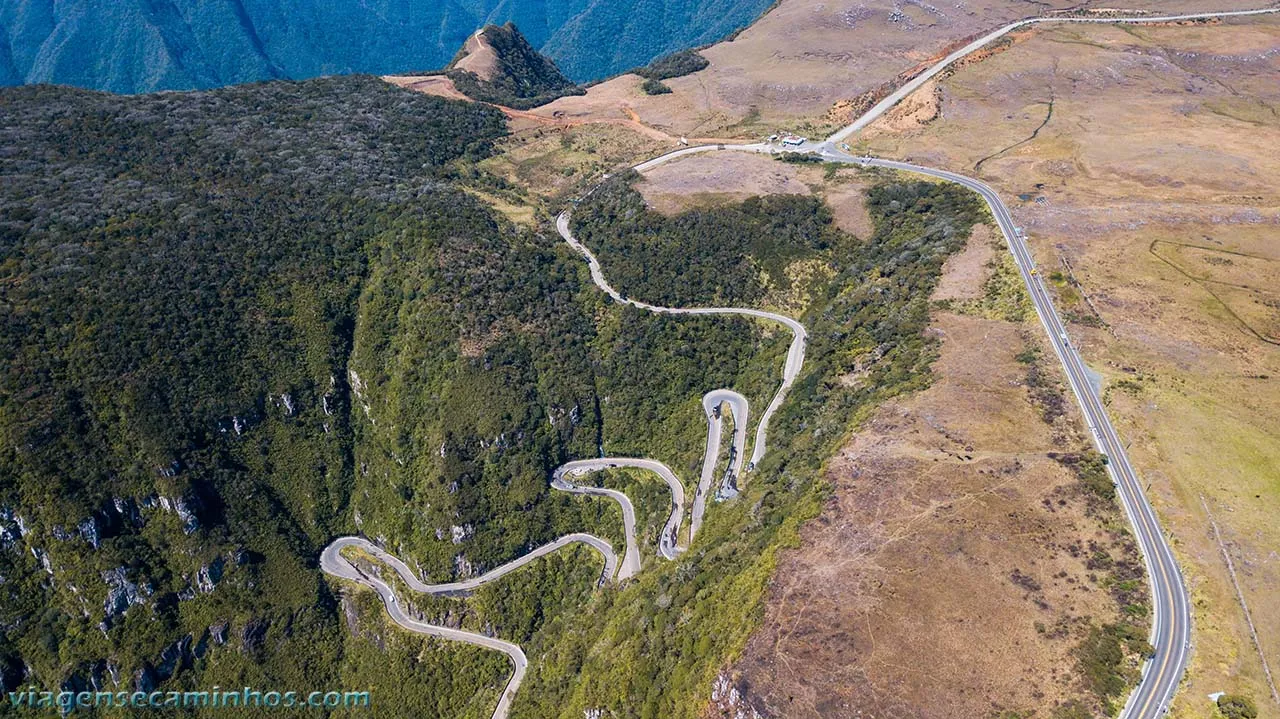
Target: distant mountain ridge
column 144, row 45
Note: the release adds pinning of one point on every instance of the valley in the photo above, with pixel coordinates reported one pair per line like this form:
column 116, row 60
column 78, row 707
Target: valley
column 133, row 46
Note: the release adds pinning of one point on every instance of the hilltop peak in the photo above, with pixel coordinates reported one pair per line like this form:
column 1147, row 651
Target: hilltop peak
column 497, row 64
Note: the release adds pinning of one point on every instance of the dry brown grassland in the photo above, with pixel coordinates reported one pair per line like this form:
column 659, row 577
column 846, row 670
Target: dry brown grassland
column 1152, row 196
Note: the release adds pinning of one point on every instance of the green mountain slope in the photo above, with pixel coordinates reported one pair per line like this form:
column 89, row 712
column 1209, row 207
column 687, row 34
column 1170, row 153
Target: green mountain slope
column 181, row 279
column 235, row 324
column 238, row 323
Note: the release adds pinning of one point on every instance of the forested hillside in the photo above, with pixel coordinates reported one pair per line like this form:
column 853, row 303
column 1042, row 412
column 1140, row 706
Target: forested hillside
column 180, row 279
column 238, row 323
column 241, row 322
column 706, row 256
column 138, row 46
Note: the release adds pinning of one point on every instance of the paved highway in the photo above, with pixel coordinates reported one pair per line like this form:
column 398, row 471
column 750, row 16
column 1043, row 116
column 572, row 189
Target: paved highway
column 893, row 99
column 331, row 557
column 1171, row 629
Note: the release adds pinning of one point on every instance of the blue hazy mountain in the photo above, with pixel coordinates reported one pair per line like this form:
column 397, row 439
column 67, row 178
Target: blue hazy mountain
column 144, row 45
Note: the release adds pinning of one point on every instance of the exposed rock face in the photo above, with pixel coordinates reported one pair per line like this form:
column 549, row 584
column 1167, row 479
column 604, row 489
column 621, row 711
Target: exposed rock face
column 121, row 594
column 184, row 506
column 99, row 676
column 460, row 534
column 89, row 532
column 462, row 566
column 174, row 658
column 254, row 634
column 727, row 702
column 43, row 557
column 209, row 575
column 218, row 633
column 127, row 509
column 11, row 528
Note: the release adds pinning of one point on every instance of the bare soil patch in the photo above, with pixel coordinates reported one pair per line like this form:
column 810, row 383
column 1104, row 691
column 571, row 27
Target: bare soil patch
column 717, row 178
column 478, row 57
column 965, row 272
column 437, row 85
column 945, row 578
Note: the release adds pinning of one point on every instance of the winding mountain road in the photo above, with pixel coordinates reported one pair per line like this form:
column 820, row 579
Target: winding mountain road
column 1171, row 623
column 630, row 565
column 668, row 541
column 711, row 405
column 333, row 563
column 799, row 335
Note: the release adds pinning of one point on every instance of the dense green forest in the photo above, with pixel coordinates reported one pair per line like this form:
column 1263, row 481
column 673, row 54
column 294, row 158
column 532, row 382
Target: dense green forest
column 180, row 284
column 239, row 323
column 719, row 255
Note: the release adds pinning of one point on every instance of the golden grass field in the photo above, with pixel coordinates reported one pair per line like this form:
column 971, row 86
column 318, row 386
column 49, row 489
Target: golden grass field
column 1156, row 178
column 945, row 578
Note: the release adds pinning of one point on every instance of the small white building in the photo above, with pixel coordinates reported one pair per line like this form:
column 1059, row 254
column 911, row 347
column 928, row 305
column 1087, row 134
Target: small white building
column 794, row 140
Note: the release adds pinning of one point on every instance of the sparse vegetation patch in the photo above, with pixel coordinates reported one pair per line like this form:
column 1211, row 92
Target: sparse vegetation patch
column 677, row 64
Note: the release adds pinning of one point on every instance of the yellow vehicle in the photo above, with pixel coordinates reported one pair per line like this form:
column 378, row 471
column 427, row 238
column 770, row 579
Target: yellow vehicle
column 1033, row 270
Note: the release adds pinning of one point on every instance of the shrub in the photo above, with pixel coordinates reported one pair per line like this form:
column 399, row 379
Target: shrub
column 654, row 87
column 676, row 64
column 1235, row 706
column 799, row 158
column 1072, row 710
